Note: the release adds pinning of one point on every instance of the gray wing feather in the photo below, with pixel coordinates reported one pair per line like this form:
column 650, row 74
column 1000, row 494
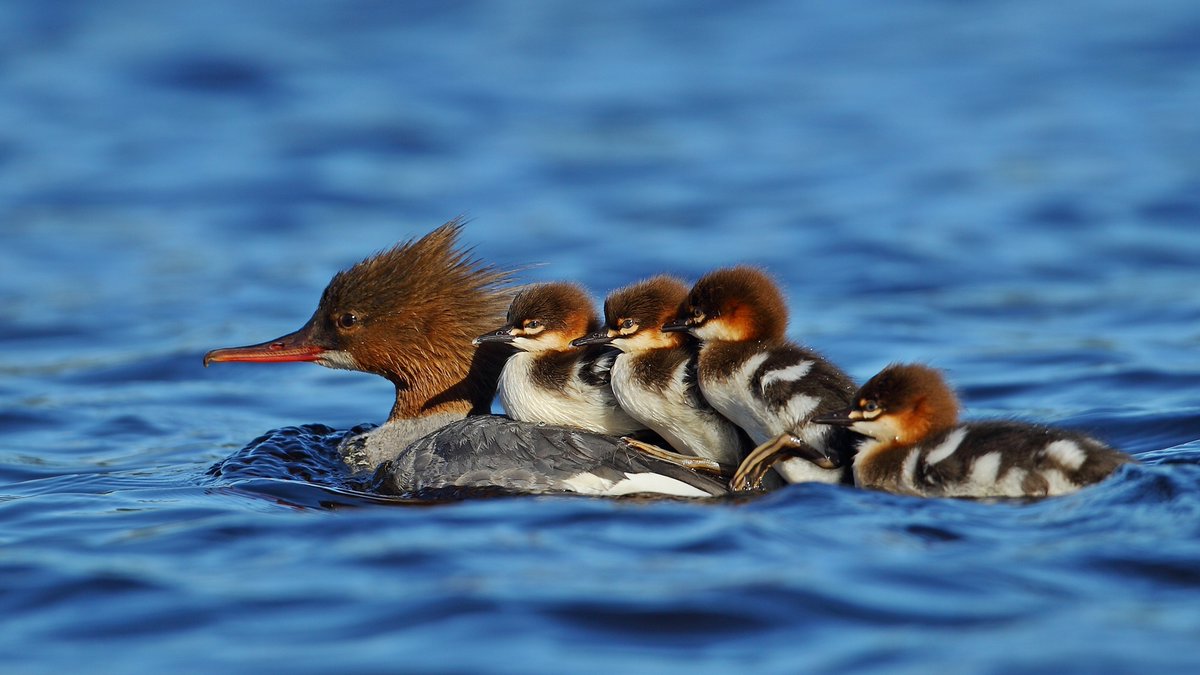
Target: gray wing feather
column 493, row 451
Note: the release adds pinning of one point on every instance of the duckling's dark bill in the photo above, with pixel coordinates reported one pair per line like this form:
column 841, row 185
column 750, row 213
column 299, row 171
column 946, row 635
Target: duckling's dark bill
column 593, row 339
column 501, row 335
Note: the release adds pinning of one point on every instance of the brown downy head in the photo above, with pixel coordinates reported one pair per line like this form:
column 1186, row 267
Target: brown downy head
column 546, row 317
column 903, row 404
column 408, row 314
column 634, row 316
column 737, row 304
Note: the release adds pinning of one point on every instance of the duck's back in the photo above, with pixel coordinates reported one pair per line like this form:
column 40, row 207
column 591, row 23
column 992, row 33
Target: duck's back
column 494, row 451
column 771, row 388
column 994, row 459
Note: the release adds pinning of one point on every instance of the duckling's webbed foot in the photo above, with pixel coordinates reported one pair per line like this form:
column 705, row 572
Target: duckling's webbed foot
column 754, row 468
column 699, row 464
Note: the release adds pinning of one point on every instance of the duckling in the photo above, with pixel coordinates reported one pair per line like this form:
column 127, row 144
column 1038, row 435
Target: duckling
column 549, row 381
column 654, row 376
column 770, row 387
column 915, row 444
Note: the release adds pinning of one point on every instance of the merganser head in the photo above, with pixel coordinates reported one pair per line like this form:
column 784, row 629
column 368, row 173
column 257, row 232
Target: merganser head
column 634, row 316
column 408, row 314
column 736, row 304
column 546, row 317
column 903, row 404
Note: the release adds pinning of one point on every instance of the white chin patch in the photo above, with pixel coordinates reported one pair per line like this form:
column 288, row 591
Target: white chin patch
column 526, row 344
column 879, row 428
column 542, row 343
column 338, row 359
column 643, row 341
column 624, row 344
column 715, row 330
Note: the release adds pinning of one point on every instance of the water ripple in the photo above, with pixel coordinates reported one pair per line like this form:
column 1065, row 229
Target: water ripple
column 1006, row 191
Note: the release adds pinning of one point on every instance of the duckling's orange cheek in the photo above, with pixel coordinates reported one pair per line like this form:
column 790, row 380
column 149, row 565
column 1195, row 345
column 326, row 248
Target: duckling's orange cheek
column 555, row 340
column 911, row 427
column 741, row 322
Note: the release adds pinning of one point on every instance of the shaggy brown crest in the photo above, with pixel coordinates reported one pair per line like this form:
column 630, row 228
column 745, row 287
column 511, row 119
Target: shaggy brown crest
column 560, row 306
column 408, row 314
column 918, row 395
column 650, row 303
column 746, row 297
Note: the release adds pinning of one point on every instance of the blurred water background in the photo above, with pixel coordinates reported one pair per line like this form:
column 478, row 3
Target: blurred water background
column 1009, row 191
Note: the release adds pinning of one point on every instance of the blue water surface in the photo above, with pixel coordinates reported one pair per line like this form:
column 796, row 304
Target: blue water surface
column 1008, row 190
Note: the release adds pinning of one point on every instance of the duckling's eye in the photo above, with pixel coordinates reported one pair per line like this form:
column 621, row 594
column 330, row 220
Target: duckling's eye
column 347, row 320
column 870, row 406
column 627, row 324
column 697, row 313
column 533, row 323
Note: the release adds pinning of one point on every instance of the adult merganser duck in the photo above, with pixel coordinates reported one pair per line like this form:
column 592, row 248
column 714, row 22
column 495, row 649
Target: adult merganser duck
column 548, row 380
column 654, row 377
column 409, row 314
column 915, row 445
column 770, row 387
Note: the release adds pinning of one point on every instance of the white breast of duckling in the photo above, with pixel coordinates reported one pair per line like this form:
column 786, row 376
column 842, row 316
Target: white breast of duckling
column 576, row 403
column 673, row 410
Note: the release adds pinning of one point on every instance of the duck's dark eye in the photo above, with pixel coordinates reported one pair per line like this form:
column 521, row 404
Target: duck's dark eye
column 870, row 406
column 627, row 324
column 347, row 320
column 533, row 323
